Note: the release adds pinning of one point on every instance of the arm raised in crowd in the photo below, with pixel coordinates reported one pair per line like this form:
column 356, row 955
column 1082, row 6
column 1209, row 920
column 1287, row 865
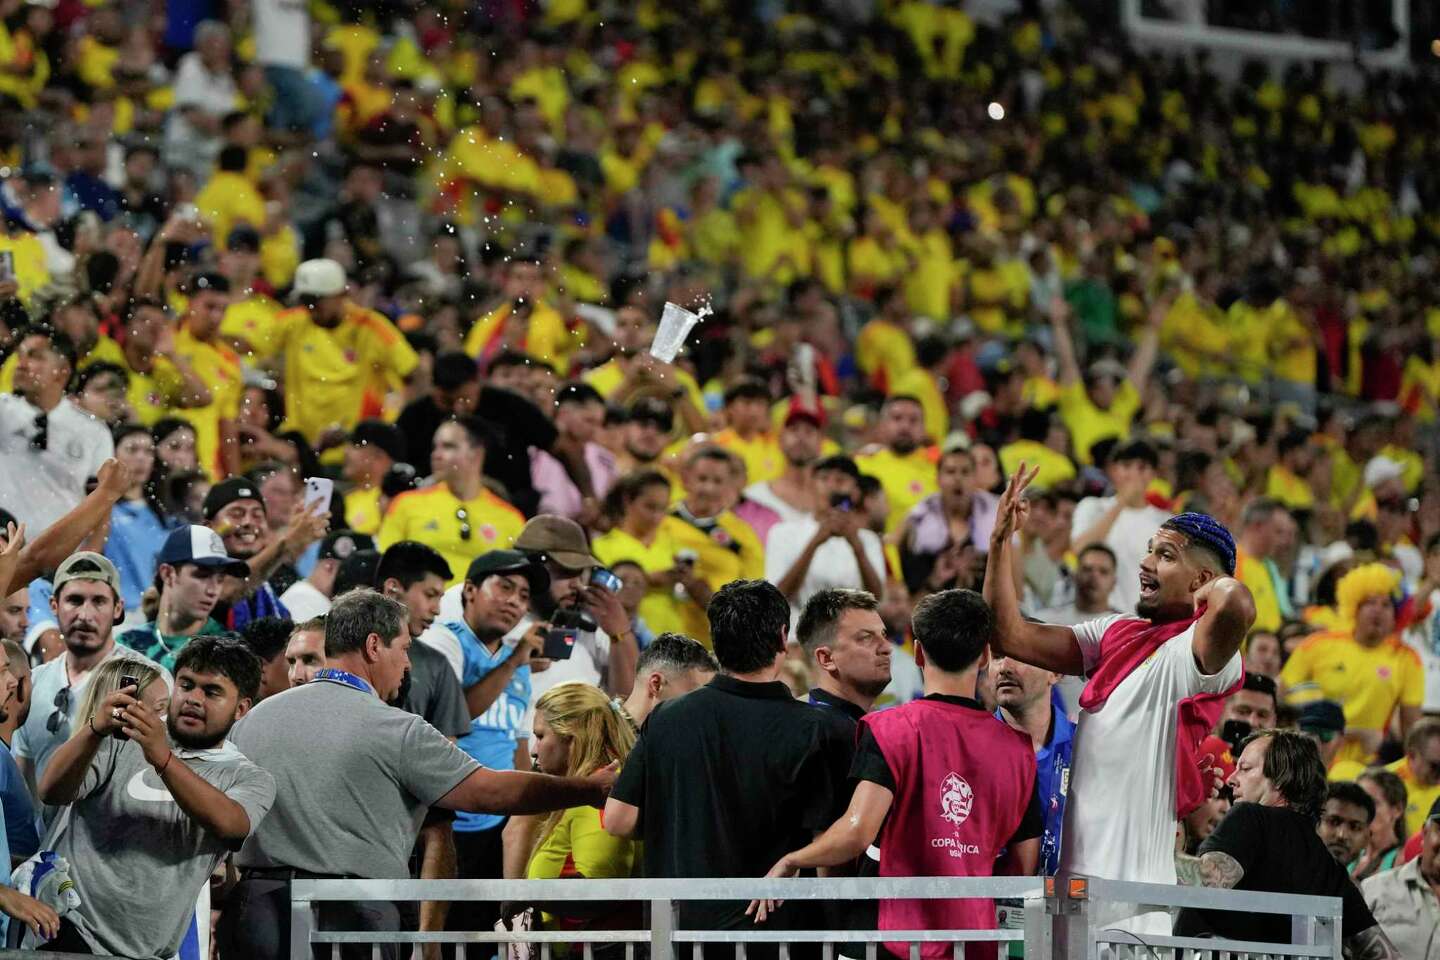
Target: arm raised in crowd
column 64, row 536
column 305, row 528
column 515, row 791
column 1042, row 645
column 1143, row 359
column 1064, row 343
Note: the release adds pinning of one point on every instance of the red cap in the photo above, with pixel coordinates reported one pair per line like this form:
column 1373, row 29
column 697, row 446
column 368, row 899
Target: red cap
column 812, row 415
column 1215, row 761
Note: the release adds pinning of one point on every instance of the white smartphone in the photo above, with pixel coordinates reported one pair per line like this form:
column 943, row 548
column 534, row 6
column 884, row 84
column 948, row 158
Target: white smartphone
column 318, row 490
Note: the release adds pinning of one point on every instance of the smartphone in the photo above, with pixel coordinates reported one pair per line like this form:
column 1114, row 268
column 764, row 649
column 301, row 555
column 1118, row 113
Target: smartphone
column 841, row 501
column 606, row 579
column 559, row 643
column 7, row 265
column 1234, row 733
column 318, row 490
column 130, row 682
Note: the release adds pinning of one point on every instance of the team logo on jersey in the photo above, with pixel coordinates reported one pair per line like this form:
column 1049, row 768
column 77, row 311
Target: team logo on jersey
column 956, row 799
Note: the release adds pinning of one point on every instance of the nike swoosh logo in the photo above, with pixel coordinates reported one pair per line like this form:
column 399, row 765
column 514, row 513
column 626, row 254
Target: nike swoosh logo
column 140, row 790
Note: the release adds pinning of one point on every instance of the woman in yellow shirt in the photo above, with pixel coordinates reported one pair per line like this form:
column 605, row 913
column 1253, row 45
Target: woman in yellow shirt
column 579, row 730
column 640, row 502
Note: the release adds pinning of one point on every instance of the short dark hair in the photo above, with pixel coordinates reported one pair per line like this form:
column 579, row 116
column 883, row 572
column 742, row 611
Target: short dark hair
column 1100, row 548
column 359, row 613
column 748, row 621
column 1348, row 791
column 481, row 434
column 1259, row 683
column 266, row 637
column 454, row 369
column 1142, row 450
column 59, row 342
column 1293, row 765
column 99, row 369
column 225, row 654
column 839, row 463
column 232, row 159
column 357, row 570
column 954, row 627
column 577, row 391
column 822, row 614
column 746, row 388
column 410, row 562
column 675, row 653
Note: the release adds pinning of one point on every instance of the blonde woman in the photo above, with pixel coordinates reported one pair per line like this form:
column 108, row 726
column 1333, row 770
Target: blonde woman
column 106, row 680
column 578, row 730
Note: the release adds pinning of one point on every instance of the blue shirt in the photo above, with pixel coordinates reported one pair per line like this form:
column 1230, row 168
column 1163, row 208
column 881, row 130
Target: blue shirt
column 493, row 734
column 21, row 822
column 136, row 536
column 1052, row 780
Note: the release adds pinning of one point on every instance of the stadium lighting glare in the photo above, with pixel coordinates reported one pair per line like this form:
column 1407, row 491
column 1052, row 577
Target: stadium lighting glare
column 997, row 112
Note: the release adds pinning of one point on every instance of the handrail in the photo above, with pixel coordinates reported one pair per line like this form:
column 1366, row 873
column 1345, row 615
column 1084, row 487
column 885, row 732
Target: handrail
column 1210, row 898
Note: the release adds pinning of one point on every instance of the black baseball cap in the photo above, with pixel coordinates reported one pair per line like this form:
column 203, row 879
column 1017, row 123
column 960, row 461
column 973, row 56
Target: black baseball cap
column 508, row 561
column 227, row 492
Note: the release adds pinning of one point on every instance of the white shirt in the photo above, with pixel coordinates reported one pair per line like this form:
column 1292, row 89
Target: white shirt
column 1120, row 818
column 1068, row 616
column 41, row 486
column 834, row 564
column 304, row 601
column 762, row 494
column 1424, row 639
column 282, row 33
column 1129, row 537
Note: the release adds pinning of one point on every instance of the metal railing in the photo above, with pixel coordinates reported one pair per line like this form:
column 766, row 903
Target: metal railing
column 1061, row 918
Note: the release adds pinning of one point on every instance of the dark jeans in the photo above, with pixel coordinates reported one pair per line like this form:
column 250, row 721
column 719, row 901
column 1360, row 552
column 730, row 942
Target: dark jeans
column 479, row 855
column 67, row 941
column 256, row 923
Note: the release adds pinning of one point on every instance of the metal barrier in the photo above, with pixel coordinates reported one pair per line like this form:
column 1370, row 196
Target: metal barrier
column 1061, row 918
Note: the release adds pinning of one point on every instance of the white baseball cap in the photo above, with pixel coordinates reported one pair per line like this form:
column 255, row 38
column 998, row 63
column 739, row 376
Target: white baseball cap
column 1382, row 469
column 319, row 278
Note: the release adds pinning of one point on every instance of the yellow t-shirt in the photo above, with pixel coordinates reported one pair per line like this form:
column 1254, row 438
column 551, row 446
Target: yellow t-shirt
column 761, row 454
column 219, row 368
column 1292, row 352
column 1055, row 467
column 546, row 338
column 155, row 394
column 884, row 352
column 362, row 510
column 1289, row 489
column 1369, row 682
column 1088, row 424
column 228, row 200
column 661, row 608
column 907, row 480
column 31, row 272
column 433, row 517
column 252, row 320
column 339, row 376
column 920, row 384
column 729, row 552
column 1255, row 575
column 608, row 378
column 1418, row 796
column 580, row 847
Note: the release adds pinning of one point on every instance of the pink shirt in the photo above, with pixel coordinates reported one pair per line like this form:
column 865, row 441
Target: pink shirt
column 558, row 493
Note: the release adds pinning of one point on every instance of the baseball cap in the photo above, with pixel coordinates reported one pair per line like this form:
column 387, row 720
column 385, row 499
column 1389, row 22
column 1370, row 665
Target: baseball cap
column 87, row 566
column 508, row 561
column 381, row 435
column 559, row 538
column 1381, row 469
column 1106, row 367
column 1322, row 717
column 799, row 413
column 227, row 492
column 341, row 544
column 202, row 547
column 319, row 278
column 1216, row 762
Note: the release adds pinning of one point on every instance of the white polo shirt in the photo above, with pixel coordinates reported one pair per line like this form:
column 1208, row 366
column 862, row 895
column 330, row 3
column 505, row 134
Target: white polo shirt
column 41, row 485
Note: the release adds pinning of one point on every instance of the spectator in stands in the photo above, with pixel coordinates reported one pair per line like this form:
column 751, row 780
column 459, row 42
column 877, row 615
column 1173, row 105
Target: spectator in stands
column 987, row 797
column 267, row 639
column 192, row 567
column 1380, row 675
column 748, row 432
column 644, row 534
column 693, row 745
column 1095, row 574
column 1419, row 770
column 15, row 616
column 576, row 473
column 1264, row 654
column 234, row 509
column 305, row 651
column 792, row 494
column 86, row 604
column 1124, row 520
column 205, row 92
column 1217, row 764
column 455, row 392
column 310, row 598
column 1387, row 831
column 415, row 575
column 1403, row 900
column 905, row 466
column 1268, row 842
column 332, row 815
column 648, row 426
column 1027, row 700
column 671, row 666
column 50, row 446
column 1256, row 703
column 373, row 448
column 1345, row 822
column 118, row 838
column 1192, row 616
column 1324, row 722
column 198, row 341
column 1263, row 538
column 457, row 515
column 22, row 824
column 939, row 534
column 138, row 524
column 829, row 549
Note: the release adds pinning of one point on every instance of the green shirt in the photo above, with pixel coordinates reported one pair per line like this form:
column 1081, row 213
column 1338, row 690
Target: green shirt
column 164, row 648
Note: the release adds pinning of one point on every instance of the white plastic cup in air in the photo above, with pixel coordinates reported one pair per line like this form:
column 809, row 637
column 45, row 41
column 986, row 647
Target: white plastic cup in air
column 675, row 325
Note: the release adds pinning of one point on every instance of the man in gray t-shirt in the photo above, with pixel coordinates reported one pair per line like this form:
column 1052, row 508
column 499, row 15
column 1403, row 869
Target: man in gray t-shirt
column 155, row 803
column 353, row 779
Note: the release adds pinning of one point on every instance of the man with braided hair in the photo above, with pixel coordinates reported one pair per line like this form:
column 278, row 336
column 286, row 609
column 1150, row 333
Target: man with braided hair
column 1156, row 682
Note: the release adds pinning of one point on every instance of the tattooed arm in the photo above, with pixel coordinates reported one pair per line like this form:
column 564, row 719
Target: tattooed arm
column 1370, row 944
column 1213, row 869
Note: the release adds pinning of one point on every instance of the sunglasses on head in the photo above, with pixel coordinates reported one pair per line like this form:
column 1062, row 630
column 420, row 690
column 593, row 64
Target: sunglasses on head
column 62, row 707
column 40, row 439
column 463, row 516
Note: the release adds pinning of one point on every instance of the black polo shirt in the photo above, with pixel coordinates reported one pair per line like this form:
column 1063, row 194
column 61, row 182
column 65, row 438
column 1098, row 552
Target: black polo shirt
column 728, row 779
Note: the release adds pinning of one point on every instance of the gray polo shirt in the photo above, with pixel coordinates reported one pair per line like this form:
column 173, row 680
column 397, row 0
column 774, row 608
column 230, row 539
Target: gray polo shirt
column 137, row 859
column 353, row 779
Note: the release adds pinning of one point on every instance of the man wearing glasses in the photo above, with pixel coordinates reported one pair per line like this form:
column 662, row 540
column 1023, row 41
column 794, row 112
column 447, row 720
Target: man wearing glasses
column 87, row 606
column 457, row 514
column 49, row 447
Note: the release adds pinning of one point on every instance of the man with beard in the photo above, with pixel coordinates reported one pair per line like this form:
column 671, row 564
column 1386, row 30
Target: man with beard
column 1345, row 820
column 1156, row 686
column 1027, row 701
column 156, row 803
column 792, row 494
column 87, row 606
column 15, row 615
column 647, row 432
column 234, row 509
column 904, row 468
column 192, row 566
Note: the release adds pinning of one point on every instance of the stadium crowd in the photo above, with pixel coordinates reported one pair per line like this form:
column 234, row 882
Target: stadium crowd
column 352, row 529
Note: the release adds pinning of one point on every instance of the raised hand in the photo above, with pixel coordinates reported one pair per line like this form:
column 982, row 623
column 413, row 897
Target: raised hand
column 1013, row 509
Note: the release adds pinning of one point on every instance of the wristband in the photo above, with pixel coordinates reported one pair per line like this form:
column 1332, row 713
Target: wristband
column 168, row 757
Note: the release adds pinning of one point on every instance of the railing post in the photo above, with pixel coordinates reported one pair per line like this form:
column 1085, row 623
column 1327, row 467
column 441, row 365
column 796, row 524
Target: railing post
column 663, row 916
column 302, row 919
column 1069, row 899
column 1039, row 937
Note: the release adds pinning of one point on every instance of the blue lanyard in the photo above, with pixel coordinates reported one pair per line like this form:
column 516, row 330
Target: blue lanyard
column 341, row 676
